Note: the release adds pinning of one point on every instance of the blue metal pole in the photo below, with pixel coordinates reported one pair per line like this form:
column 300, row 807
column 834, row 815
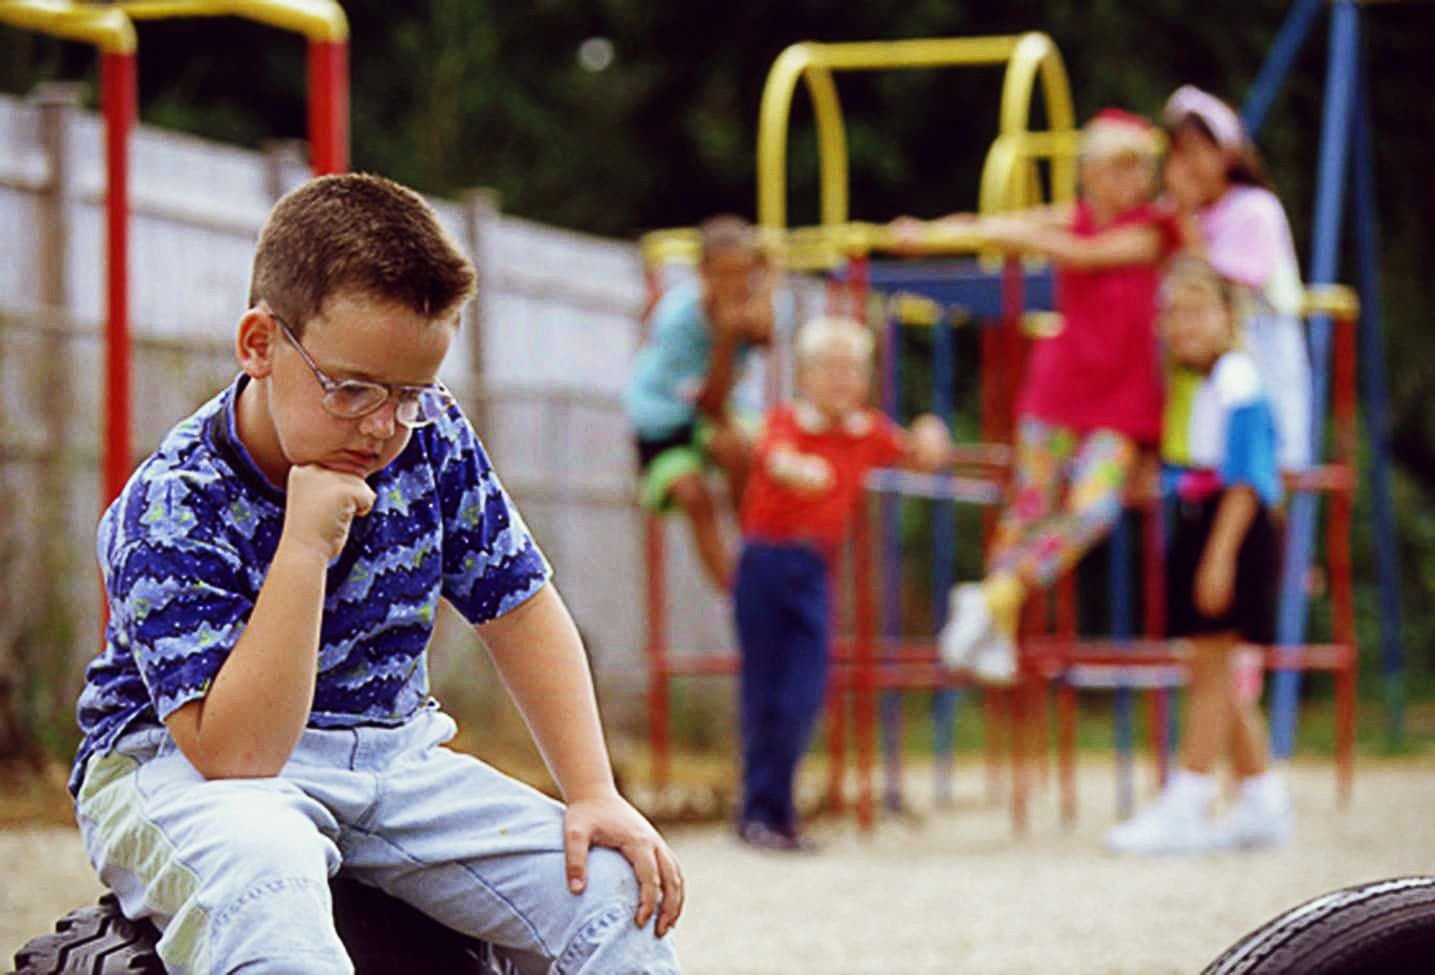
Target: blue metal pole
column 891, row 704
column 1284, row 50
column 1340, row 84
column 944, row 546
column 1122, row 627
column 1377, row 411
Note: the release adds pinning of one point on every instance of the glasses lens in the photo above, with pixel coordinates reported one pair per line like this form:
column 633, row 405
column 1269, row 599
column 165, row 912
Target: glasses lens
column 352, row 399
column 421, row 407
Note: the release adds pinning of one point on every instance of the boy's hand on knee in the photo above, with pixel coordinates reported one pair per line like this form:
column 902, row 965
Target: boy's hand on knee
column 613, row 822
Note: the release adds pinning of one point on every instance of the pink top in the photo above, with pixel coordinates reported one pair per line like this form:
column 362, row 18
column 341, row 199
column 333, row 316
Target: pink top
column 1103, row 369
column 1249, row 240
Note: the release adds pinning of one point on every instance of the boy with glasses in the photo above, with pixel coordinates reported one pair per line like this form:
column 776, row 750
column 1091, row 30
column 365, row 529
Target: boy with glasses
column 260, row 716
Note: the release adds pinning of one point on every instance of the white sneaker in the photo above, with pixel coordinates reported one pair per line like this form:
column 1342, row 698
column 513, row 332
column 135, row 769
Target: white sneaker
column 968, row 623
column 1261, row 817
column 1175, row 823
column 994, row 660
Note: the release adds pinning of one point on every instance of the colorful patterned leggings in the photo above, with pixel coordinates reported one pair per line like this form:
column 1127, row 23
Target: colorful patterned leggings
column 1035, row 538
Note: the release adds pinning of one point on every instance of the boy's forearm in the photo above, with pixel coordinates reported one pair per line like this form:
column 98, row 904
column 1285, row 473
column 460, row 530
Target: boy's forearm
column 539, row 655
column 250, row 721
column 717, row 387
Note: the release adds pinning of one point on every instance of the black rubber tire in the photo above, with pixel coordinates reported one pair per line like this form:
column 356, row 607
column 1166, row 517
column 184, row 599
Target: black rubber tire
column 1385, row 927
column 381, row 934
column 96, row 940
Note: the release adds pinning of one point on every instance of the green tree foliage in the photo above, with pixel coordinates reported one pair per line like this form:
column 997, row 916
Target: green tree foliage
column 450, row 94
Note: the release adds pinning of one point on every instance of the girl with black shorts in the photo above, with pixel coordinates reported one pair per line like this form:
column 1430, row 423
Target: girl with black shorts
column 1221, row 474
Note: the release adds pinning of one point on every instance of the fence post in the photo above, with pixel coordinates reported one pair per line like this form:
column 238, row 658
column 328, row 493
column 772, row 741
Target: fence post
column 43, row 657
column 480, row 219
column 281, row 155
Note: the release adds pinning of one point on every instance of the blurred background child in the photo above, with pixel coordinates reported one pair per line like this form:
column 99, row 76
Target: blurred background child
column 1222, row 571
column 1091, row 398
column 805, row 487
column 678, row 398
column 1215, row 178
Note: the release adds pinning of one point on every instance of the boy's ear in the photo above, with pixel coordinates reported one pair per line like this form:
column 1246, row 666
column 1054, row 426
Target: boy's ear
column 254, row 342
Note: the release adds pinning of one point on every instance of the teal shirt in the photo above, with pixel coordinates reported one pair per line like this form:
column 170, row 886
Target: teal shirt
column 668, row 374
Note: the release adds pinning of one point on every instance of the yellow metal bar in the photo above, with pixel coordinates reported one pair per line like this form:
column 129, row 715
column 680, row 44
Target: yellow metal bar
column 1035, row 56
column 1336, row 300
column 814, row 64
column 105, row 27
column 318, row 20
column 811, row 248
column 931, row 52
column 831, row 146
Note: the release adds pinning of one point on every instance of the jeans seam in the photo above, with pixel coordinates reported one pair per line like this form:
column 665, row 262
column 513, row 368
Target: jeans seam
column 587, row 936
column 267, row 887
column 463, row 865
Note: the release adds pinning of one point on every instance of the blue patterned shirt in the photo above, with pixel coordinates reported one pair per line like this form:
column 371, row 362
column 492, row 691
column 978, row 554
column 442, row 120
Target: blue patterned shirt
column 188, row 543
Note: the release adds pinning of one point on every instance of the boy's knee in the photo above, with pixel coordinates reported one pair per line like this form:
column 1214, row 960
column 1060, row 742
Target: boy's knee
column 604, row 937
column 691, row 494
column 729, row 447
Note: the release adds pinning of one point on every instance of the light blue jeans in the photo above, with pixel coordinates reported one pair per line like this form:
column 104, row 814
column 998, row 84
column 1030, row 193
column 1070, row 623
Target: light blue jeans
column 235, row 871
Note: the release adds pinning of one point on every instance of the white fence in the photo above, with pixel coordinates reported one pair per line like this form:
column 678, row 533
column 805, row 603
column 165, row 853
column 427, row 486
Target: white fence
column 542, row 359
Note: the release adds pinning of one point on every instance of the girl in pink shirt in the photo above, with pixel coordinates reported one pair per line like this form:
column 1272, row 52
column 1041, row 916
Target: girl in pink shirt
column 1215, row 178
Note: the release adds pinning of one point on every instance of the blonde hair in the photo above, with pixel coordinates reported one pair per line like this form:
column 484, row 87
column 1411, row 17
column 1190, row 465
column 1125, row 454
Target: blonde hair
column 1188, row 270
column 828, row 332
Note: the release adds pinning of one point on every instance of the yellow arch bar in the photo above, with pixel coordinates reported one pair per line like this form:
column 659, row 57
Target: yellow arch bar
column 318, row 20
column 1027, row 56
column 105, row 27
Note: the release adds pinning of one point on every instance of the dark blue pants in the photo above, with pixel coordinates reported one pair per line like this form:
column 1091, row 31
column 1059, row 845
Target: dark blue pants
column 782, row 605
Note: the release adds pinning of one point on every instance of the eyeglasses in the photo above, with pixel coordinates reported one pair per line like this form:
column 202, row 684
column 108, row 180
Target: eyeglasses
column 350, row 399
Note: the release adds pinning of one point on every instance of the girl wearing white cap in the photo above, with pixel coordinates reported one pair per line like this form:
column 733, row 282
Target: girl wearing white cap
column 1215, row 177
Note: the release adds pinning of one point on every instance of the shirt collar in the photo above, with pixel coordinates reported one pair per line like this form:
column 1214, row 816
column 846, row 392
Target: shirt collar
column 810, row 419
column 224, row 434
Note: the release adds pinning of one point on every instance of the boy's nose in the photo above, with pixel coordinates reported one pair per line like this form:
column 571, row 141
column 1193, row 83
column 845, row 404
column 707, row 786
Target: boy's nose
column 381, row 423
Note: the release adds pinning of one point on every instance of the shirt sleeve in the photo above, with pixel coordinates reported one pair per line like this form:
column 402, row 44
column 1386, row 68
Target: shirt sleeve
column 1248, row 248
column 888, row 441
column 1250, row 448
column 181, row 606
column 491, row 564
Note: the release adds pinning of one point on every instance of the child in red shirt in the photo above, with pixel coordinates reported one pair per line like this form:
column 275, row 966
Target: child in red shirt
column 805, row 485
column 1092, row 396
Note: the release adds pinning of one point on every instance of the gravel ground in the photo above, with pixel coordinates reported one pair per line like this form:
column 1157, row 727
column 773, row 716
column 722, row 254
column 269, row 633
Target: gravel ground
column 953, row 890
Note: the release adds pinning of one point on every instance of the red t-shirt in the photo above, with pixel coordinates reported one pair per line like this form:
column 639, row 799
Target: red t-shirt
column 775, row 511
column 1102, row 371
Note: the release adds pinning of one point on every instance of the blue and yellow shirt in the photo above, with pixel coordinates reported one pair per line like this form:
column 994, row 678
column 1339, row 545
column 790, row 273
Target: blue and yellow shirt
column 1219, row 431
column 188, row 543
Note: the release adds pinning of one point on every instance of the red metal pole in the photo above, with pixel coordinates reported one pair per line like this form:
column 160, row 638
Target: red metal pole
column 1159, row 700
column 657, row 650
column 328, row 106
column 859, row 276
column 864, row 693
column 117, row 80
column 838, row 683
column 1066, row 696
column 1338, row 545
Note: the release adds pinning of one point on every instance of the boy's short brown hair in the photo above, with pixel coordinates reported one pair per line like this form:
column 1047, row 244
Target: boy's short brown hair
column 355, row 232
column 725, row 232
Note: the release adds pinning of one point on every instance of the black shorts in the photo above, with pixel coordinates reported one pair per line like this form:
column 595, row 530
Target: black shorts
column 1252, row 613
column 648, row 450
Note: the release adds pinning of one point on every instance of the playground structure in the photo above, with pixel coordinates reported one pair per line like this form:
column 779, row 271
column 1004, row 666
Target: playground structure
column 110, row 28
column 940, row 295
